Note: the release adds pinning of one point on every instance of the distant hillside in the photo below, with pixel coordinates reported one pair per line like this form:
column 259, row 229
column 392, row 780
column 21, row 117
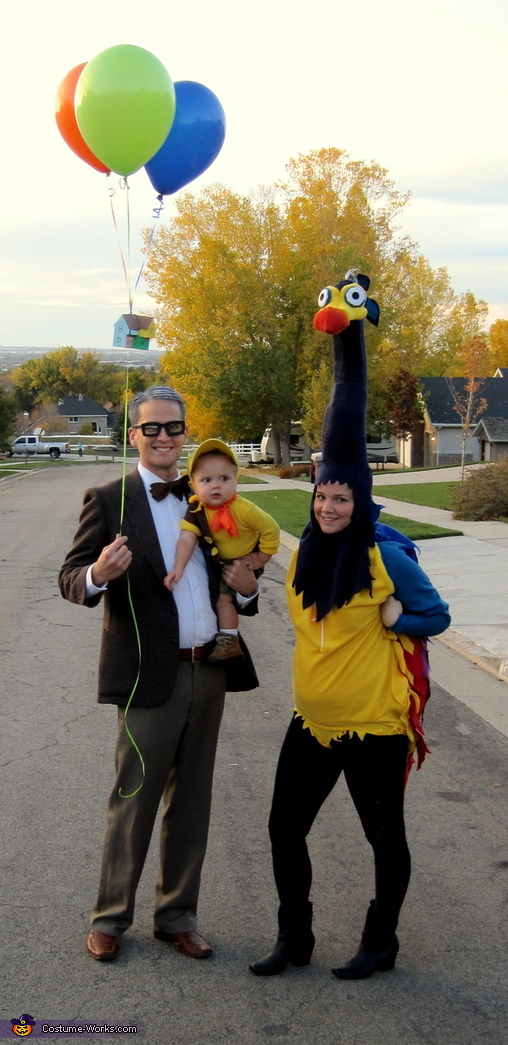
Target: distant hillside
column 15, row 355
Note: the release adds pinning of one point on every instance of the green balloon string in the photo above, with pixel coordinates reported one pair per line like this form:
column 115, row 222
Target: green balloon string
column 125, row 185
column 134, row 688
column 131, row 604
column 125, row 427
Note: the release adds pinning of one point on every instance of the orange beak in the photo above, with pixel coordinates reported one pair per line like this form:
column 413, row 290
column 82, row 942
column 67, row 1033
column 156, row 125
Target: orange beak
column 331, row 320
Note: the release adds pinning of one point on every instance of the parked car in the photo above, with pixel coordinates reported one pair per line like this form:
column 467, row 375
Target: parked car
column 380, row 450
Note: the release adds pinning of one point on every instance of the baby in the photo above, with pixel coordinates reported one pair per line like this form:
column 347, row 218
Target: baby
column 239, row 529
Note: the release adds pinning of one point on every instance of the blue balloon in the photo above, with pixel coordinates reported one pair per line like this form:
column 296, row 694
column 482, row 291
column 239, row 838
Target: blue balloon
column 194, row 141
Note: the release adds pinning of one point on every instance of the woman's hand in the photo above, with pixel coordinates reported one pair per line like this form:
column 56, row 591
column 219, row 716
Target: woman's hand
column 390, row 611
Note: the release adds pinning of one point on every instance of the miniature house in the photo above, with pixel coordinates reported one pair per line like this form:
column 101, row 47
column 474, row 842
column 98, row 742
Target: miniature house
column 132, row 331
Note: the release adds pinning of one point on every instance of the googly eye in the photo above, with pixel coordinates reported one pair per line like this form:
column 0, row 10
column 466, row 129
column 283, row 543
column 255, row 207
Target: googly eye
column 325, row 297
column 355, row 296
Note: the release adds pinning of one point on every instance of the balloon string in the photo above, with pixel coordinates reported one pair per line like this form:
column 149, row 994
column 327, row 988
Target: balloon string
column 111, row 193
column 125, row 185
column 129, row 702
column 156, row 214
column 126, row 266
column 129, row 595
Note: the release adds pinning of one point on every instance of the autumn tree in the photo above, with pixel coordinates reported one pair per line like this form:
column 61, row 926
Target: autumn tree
column 227, row 322
column 57, row 374
column 498, row 345
column 236, row 279
column 7, row 418
column 315, row 397
column 468, row 402
column 25, row 380
column 404, row 405
column 66, row 372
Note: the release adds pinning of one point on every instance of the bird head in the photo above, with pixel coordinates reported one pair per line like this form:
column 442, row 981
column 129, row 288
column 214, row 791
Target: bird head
column 344, row 303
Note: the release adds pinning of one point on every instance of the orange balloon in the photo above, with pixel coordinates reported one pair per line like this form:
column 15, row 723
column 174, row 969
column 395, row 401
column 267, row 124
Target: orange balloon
column 67, row 123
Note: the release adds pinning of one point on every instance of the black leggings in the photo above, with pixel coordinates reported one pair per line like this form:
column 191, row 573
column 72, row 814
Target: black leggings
column 374, row 769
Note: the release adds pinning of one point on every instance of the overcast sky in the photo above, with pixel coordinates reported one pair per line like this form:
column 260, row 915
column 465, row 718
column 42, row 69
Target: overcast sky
column 420, row 88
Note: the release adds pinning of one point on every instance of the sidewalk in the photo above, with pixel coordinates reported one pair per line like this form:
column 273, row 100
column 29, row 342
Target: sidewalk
column 470, row 572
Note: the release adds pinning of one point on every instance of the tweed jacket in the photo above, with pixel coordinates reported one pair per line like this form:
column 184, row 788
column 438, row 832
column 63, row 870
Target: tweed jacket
column 154, row 606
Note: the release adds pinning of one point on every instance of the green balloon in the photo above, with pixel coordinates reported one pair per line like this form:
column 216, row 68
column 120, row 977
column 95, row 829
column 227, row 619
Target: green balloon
column 124, row 104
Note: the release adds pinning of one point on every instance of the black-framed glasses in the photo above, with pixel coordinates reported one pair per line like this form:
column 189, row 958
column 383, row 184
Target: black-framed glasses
column 154, row 428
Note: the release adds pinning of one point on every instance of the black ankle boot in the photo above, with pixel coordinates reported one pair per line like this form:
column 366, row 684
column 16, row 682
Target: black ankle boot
column 377, row 951
column 289, row 948
column 294, row 945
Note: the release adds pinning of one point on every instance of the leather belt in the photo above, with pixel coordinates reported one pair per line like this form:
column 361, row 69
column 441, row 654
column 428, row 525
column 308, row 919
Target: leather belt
column 196, row 653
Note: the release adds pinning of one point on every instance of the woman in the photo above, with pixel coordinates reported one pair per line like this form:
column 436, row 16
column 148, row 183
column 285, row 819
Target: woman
column 361, row 608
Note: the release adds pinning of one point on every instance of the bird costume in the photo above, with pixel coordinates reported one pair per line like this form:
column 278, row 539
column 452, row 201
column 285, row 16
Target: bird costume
column 359, row 686
column 351, row 674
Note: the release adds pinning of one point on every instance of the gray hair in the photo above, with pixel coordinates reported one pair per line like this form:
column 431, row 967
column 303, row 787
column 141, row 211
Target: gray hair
column 156, row 392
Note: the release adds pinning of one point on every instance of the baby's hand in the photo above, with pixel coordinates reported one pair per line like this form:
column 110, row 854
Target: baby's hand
column 390, row 611
column 171, row 579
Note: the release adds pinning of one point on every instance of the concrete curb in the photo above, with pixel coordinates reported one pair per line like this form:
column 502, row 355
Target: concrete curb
column 18, row 476
column 454, row 640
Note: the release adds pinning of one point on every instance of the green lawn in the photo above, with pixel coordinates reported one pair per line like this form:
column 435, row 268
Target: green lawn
column 291, row 510
column 289, row 507
column 417, row 531
column 433, row 495
column 17, row 464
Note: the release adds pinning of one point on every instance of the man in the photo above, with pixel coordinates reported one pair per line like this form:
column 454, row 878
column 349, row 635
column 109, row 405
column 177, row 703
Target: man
column 153, row 658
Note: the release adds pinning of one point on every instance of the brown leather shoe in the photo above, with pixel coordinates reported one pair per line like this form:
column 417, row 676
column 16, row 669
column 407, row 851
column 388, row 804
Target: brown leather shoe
column 191, row 943
column 102, row 946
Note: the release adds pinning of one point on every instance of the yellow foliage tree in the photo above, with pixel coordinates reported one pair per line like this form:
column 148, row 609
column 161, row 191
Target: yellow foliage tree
column 498, row 345
column 236, row 279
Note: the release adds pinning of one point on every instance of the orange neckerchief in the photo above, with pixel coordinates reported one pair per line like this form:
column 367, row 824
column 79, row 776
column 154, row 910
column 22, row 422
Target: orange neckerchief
column 222, row 518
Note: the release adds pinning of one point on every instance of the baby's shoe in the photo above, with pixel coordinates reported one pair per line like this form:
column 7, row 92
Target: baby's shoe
column 226, row 647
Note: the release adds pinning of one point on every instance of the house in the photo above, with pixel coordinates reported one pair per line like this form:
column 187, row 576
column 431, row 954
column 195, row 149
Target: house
column 79, row 410
column 492, row 432
column 132, row 331
column 440, row 440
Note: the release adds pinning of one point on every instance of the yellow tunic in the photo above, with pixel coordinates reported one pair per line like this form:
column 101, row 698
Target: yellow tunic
column 349, row 674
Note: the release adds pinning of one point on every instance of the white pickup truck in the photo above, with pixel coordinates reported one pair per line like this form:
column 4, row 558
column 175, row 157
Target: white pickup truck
column 31, row 444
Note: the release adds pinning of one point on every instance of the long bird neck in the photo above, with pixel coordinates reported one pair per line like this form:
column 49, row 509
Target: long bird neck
column 349, row 356
column 345, row 419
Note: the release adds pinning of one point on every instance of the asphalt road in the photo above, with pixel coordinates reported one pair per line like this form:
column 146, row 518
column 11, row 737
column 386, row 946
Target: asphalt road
column 449, row 985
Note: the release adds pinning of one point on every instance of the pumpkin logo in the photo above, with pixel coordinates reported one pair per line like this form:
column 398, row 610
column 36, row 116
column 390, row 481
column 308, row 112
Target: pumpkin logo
column 23, row 1027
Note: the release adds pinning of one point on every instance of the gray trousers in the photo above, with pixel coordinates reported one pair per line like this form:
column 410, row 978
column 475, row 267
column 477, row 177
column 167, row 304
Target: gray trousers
column 178, row 742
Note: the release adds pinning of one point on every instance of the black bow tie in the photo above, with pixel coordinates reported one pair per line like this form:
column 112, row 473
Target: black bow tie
column 178, row 487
